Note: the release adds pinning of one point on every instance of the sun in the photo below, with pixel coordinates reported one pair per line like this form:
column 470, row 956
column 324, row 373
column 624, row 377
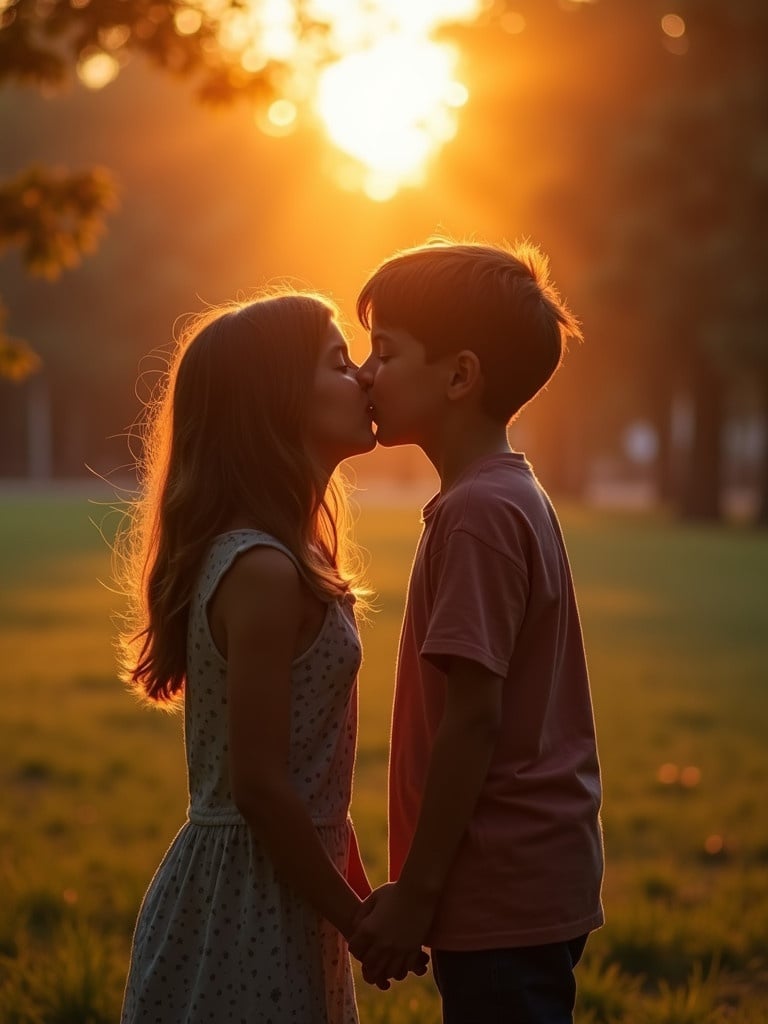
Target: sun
column 384, row 87
column 390, row 108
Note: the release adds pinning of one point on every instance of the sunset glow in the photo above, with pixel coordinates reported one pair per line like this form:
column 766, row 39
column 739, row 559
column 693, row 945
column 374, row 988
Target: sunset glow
column 382, row 85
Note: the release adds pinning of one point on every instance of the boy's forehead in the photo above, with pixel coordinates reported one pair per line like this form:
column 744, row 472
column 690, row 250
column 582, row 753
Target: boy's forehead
column 387, row 340
column 382, row 331
column 385, row 335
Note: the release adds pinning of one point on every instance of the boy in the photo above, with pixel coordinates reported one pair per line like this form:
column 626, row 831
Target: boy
column 495, row 841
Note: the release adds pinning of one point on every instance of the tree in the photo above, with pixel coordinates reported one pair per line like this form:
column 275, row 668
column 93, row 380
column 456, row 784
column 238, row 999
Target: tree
column 685, row 243
column 57, row 217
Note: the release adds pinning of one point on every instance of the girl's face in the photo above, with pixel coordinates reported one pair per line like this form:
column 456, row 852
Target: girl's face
column 339, row 422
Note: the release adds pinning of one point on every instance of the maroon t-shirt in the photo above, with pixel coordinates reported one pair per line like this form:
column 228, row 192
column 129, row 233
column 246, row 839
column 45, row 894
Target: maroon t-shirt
column 491, row 583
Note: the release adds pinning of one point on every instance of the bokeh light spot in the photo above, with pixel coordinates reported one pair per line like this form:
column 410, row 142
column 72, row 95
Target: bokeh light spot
column 114, row 37
column 673, row 25
column 279, row 119
column 512, row 22
column 187, row 21
column 668, row 774
column 95, row 70
column 714, row 845
column 253, row 59
column 690, row 776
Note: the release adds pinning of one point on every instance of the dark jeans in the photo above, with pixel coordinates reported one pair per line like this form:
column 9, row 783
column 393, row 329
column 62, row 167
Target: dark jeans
column 528, row 985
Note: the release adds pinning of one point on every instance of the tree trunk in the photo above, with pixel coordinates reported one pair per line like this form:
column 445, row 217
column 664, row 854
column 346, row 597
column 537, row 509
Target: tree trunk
column 762, row 497
column 700, row 498
column 39, row 450
column 667, row 486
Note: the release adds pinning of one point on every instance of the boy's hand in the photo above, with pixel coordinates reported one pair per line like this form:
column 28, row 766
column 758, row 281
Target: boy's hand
column 388, row 939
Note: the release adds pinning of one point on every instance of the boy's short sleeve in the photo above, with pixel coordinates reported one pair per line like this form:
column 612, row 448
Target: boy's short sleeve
column 479, row 600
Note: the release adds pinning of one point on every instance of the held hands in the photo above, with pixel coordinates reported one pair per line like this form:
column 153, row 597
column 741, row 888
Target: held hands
column 388, row 934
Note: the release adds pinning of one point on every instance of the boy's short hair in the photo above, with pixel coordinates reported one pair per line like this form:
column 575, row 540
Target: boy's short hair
column 496, row 301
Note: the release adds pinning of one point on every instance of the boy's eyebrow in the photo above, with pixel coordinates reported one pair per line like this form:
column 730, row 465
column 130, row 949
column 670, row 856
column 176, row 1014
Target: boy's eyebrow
column 339, row 347
column 380, row 334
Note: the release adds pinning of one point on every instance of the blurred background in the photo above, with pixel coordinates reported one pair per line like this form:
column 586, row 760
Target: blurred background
column 160, row 156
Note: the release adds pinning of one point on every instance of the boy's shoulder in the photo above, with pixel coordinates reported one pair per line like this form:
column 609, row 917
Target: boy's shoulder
column 492, row 487
column 498, row 500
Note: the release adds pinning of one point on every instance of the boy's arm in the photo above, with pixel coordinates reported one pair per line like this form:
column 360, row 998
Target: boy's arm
column 461, row 754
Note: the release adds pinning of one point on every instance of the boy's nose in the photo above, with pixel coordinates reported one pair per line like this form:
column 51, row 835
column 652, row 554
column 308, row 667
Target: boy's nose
column 365, row 373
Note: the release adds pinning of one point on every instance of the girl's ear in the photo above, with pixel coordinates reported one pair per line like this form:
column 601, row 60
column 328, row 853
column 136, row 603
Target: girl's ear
column 465, row 375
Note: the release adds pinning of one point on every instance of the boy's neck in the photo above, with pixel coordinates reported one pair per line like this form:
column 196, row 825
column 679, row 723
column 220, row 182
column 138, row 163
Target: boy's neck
column 463, row 443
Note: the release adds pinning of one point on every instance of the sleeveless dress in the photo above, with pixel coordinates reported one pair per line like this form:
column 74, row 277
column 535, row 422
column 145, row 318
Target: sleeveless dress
column 218, row 937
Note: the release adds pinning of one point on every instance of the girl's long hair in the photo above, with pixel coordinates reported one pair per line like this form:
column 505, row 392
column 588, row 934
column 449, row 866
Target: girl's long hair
column 225, row 440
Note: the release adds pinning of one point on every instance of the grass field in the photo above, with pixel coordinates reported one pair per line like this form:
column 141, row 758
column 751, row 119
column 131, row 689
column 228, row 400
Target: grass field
column 676, row 623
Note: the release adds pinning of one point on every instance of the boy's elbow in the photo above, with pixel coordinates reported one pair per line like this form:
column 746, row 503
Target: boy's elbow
column 481, row 725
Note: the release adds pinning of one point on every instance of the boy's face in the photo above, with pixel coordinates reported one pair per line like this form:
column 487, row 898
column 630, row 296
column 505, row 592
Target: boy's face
column 407, row 394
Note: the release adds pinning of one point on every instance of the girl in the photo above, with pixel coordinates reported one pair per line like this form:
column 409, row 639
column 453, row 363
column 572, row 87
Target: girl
column 243, row 604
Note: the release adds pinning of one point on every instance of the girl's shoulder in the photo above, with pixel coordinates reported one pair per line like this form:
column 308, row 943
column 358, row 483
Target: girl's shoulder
column 232, row 544
column 263, row 566
column 261, row 589
column 251, row 557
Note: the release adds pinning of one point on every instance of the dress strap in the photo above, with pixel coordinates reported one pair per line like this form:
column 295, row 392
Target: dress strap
column 227, row 547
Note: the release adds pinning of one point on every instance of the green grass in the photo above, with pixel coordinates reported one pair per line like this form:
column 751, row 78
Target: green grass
column 676, row 624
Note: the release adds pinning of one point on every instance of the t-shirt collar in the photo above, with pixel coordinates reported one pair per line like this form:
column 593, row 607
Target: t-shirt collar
column 514, row 458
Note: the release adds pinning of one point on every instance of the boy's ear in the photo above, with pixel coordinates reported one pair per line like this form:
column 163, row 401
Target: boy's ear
column 465, row 375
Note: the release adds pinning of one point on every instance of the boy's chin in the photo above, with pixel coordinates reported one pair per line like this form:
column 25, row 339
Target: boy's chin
column 364, row 447
column 384, row 438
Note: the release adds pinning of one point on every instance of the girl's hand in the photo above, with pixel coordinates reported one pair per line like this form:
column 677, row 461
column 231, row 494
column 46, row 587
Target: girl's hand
column 388, row 939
